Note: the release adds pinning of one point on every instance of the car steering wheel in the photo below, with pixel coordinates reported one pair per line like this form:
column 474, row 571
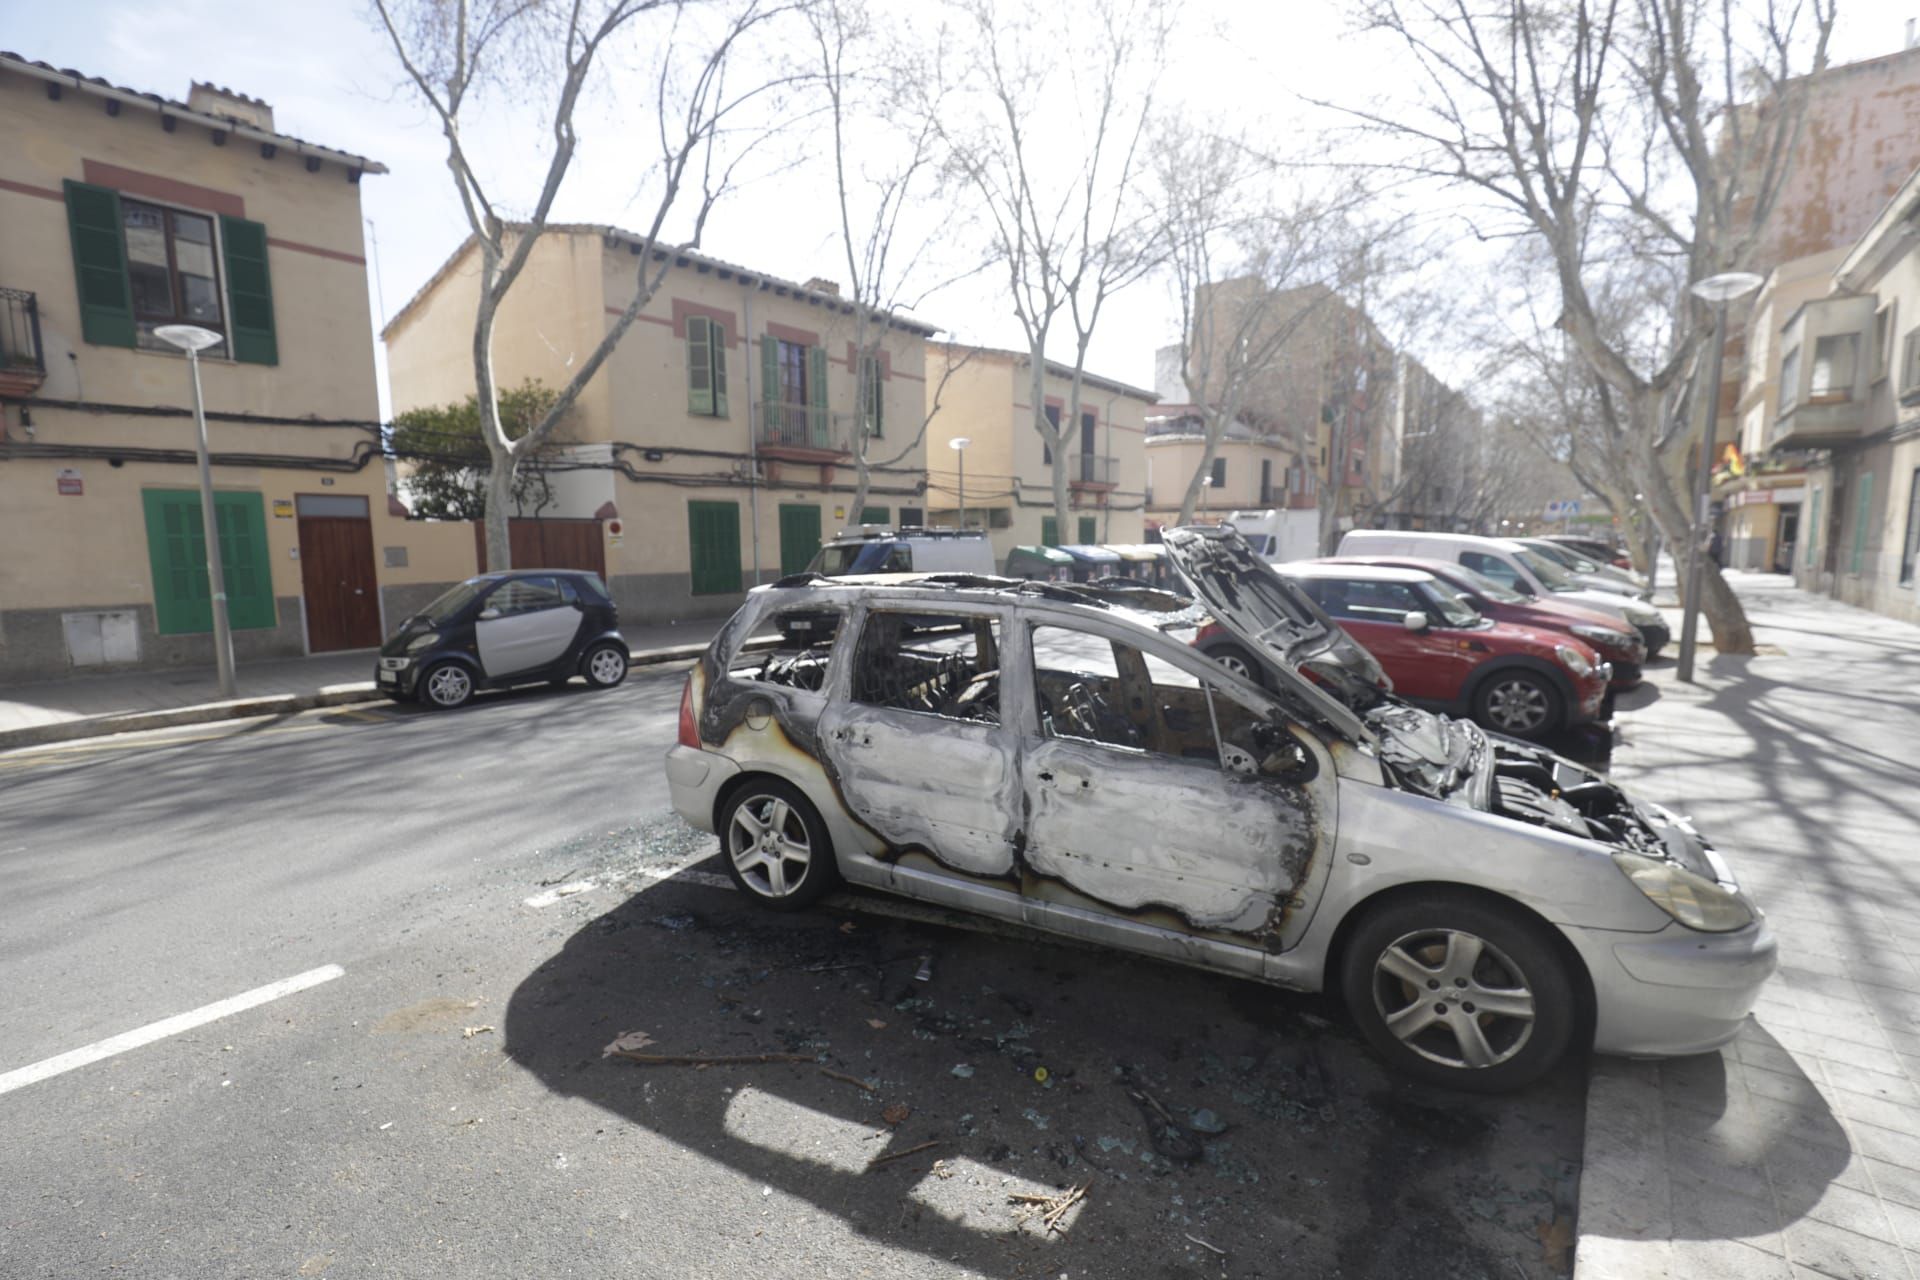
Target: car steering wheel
column 1093, row 718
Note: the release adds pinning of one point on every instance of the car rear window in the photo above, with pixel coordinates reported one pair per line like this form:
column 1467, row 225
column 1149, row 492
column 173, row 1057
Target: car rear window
column 789, row 647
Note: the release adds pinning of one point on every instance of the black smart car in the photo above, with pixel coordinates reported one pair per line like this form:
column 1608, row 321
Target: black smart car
column 520, row 626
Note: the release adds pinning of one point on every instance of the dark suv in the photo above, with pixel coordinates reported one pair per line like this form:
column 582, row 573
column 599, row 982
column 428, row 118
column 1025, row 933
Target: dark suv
column 520, row 626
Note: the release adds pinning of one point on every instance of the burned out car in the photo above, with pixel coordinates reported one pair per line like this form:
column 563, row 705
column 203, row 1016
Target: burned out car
column 1058, row 755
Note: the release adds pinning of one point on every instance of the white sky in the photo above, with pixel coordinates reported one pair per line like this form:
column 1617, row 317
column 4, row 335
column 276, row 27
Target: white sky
column 334, row 81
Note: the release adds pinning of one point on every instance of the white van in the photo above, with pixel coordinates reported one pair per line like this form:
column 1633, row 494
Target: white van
column 874, row 548
column 1514, row 566
column 1278, row 536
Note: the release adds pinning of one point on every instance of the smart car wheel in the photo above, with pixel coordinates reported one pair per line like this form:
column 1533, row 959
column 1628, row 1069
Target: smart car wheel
column 605, row 665
column 1236, row 660
column 1518, row 703
column 446, row 686
column 1460, row 992
column 777, row 848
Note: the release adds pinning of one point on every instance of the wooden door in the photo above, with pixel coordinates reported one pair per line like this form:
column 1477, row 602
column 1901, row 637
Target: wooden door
column 549, row 544
column 336, row 572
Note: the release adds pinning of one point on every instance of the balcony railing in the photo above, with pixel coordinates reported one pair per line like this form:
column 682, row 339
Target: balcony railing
column 1093, row 468
column 802, row 427
column 23, row 367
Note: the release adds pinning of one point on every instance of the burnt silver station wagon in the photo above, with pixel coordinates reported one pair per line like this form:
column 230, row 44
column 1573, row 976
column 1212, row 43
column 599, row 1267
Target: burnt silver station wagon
column 1057, row 755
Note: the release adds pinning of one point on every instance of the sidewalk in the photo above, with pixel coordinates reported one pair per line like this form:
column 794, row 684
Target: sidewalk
column 1795, row 1151
column 291, row 682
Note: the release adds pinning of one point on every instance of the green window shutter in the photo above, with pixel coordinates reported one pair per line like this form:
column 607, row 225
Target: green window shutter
column 713, row 537
column 770, row 386
column 1049, row 531
column 871, row 389
column 100, row 265
column 717, row 342
column 875, row 515
column 1862, row 513
column 250, row 289
column 1089, row 530
column 699, row 366
column 1812, row 535
column 176, row 549
column 817, row 395
column 799, row 537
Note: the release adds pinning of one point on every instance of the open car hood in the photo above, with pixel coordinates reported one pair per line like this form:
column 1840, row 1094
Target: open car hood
column 1273, row 617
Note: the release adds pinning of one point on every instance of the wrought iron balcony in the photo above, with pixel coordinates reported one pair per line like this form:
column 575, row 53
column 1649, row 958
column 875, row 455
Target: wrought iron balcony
column 23, row 366
column 1093, row 469
column 801, row 430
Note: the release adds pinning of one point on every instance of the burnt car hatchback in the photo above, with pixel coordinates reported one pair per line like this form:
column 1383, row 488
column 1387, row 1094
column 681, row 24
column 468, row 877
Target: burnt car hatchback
column 519, row 626
column 1058, row 755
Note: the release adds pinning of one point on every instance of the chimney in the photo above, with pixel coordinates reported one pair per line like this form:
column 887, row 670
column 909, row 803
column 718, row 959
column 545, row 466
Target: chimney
column 217, row 100
column 1911, row 41
column 821, row 285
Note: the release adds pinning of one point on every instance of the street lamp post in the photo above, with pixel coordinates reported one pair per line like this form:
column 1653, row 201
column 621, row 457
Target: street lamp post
column 192, row 339
column 959, row 446
column 1719, row 290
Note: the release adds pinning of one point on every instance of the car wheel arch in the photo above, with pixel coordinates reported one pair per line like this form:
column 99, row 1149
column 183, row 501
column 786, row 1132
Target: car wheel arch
column 1419, row 890
column 1556, row 675
column 759, row 773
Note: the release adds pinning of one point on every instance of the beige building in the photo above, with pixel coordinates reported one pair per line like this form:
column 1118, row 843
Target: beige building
column 1250, row 469
column 715, row 449
column 121, row 212
column 984, row 396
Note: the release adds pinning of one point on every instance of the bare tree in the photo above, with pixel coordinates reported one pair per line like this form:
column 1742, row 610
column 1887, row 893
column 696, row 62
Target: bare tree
column 1614, row 130
column 1062, row 206
column 453, row 51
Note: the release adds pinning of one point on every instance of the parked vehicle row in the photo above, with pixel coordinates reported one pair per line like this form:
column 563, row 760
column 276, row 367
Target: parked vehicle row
column 1053, row 754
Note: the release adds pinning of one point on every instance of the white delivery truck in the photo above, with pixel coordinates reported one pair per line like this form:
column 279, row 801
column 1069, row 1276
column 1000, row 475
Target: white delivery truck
column 1278, row 535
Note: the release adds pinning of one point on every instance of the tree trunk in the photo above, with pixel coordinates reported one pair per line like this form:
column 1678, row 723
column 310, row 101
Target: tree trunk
column 1726, row 619
column 500, row 509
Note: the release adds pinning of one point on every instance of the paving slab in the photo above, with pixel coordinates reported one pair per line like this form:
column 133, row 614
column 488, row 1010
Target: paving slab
column 1794, row 1151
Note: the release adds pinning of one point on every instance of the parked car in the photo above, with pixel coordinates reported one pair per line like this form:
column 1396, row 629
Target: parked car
column 909, row 549
column 1515, row 567
column 519, row 626
column 1442, row 654
column 1612, row 639
column 1584, row 568
column 1143, row 562
column 1054, row 758
column 1593, row 548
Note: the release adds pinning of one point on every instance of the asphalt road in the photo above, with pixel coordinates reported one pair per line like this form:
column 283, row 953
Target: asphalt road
column 504, row 891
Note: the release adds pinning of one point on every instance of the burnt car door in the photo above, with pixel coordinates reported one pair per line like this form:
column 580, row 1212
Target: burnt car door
column 1152, row 793
column 916, row 745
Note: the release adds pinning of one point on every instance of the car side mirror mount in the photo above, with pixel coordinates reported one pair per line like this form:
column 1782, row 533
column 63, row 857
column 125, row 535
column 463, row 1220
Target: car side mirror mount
column 1414, row 620
column 488, row 614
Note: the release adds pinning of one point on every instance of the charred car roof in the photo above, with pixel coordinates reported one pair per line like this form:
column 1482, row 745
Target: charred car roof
column 1150, row 606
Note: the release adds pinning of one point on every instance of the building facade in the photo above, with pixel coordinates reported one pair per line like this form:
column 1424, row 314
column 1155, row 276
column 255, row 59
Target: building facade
column 715, row 449
column 983, row 396
column 120, row 213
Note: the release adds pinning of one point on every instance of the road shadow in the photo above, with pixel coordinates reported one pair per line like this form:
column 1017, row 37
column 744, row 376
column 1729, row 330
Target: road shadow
column 1198, row 1108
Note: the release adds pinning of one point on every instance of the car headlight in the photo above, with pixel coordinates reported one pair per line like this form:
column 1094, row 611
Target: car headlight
column 1693, row 900
column 1573, row 659
column 425, row 639
column 1604, row 636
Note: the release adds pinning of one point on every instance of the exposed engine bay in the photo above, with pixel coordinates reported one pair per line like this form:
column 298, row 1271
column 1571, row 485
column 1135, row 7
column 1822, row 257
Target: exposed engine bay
column 1538, row 787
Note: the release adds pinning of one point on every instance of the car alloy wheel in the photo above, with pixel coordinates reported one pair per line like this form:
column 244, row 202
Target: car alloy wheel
column 448, row 686
column 1236, row 660
column 1517, row 703
column 606, row 665
column 1453, row 998
column 777, row 848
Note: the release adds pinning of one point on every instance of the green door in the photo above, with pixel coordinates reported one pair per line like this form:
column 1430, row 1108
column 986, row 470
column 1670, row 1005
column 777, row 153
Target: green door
column 1049, row 531
column 177, row 551
column 713, row 537
column 1089, row 530
column 799, row 537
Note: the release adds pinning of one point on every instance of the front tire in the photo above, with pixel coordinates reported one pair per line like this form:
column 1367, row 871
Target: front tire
column 1518, row 703
column 446, row 685
column 605, row 665
column 1455, row 990
column 777, row 849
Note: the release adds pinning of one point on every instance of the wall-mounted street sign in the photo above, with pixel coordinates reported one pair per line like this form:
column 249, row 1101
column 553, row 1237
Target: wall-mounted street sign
column 67, row 483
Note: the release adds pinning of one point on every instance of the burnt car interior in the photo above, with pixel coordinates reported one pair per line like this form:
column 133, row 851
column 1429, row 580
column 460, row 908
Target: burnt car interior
column 950, row 670
column 801, row 661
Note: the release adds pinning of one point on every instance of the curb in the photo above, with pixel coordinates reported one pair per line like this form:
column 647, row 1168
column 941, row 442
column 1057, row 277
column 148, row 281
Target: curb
column 275, row 705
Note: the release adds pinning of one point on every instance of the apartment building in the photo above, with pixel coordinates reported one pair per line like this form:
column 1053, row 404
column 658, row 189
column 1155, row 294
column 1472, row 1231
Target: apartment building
column 121, row 212
column 717, row 446
column 983, row 396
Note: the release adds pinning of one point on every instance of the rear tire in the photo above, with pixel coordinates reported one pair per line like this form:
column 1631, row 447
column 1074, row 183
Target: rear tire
column 1519, row 703
column 1456, row 990
column 777, row 849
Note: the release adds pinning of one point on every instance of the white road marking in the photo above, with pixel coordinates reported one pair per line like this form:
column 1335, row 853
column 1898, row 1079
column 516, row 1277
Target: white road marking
column 50, row 1067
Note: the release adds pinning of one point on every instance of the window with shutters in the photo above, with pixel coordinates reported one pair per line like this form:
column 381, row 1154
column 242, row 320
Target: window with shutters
column 177, row 551
column 171, row 272
column 1089, row 530
column 706, row 367
column 872, row 395
column 1218, row 477
column 1049, row 531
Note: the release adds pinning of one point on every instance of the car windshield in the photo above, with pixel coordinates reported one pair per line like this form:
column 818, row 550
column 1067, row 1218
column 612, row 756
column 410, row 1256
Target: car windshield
column 844, row 558
column 1551, row 575
column 1565, row 556
column 453, row 601
column 1445, row 599
column 1486, row 586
